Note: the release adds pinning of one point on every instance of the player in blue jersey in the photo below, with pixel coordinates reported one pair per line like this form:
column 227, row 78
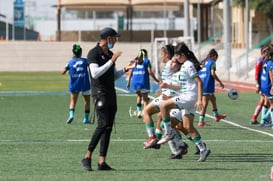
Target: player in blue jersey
column 262, row 105
column 139, row 79
column 79, row 83
column 208, row 76
column 266, row 82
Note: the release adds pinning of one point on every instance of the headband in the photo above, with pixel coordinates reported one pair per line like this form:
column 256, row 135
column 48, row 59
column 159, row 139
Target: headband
column 140, row 53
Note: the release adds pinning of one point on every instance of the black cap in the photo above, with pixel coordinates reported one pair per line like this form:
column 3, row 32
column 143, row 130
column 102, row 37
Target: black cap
column 104, row 33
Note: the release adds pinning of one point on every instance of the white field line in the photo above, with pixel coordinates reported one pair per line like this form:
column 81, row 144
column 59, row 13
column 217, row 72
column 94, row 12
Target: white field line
column 125, row 140
column 242, row 127
column 237, row 125
column 141, row 140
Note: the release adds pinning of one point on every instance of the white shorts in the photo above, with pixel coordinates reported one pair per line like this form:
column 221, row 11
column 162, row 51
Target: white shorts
column 84, row 93
column 185, row 102
column 157, row 101
column 177, row 114
column 87, row 93
column 169, row 92
column 143, row 91
column 207, row 94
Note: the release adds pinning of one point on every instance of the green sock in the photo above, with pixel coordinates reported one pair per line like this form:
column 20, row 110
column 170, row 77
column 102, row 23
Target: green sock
column 264, row 110
column 71, row 112
column 139, row 108
column 158, row 133
column 150, row 129
column 267, row 114
column 201, row 118
column 215, row 112
column 196, row 139
column 189, row 137
column 166, row 120
column 271, row 115
column 86, row 114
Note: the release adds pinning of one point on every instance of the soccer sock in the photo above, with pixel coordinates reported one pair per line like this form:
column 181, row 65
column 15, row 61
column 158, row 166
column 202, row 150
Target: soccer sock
column 86, row 114
column 178, row 140
column 257, row 110
column 267, row 115
column 139, row 108
column 180, row 136
column 199, row 143
column 158, row 133
column 173, row 147
column 167, row 125
column 215, row 112
column 71, row 112
column 150, row 129
column 162, row 125
column 189, row 137
column 271, row 115
column 201, row 118
column 264, row 110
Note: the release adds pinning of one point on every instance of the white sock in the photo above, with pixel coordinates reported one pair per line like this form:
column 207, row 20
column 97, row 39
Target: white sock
column 173, row 147
column 201, row 145
column 177, row 138
column 167, row 127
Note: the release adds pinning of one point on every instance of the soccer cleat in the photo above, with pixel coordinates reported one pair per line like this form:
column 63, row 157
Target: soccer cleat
column 175, row 156
column 203, row 155
column 151, row 143
column 264, row 122
column 86, row 121
column 184, row 149
column 201, row 123
column 254, row 122
column 105, row 166
column 86, row 164
column 156, row 146
column 220, row 116
column 165, row 138
column 69, row 120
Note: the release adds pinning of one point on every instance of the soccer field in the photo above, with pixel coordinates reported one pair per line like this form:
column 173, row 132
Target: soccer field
column 36, row 144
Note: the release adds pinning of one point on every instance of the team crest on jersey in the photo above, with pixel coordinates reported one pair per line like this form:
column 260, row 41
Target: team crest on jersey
column 102, row 57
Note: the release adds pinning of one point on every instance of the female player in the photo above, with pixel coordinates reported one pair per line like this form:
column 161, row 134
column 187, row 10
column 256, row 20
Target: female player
column 79, row 83
column 266, row 82
column 191, row 88
column 262, row 104
column 171, row 66
column 208, row 76
column 140, row 78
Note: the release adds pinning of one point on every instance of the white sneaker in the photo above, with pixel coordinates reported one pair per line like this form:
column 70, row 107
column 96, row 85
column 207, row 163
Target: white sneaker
column 165, row 138
column 203, row 155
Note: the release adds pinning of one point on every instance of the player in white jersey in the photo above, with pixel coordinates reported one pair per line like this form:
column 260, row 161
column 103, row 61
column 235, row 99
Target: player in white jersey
column 191, row 88
column 166, row 54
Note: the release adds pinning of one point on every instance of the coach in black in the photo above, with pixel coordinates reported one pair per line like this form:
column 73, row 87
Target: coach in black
column 103, row 75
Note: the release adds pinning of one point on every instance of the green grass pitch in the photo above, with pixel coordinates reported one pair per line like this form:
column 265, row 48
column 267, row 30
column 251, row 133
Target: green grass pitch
column 36, row 144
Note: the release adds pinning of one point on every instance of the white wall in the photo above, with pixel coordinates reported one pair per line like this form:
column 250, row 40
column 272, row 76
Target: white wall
column 48, row 28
